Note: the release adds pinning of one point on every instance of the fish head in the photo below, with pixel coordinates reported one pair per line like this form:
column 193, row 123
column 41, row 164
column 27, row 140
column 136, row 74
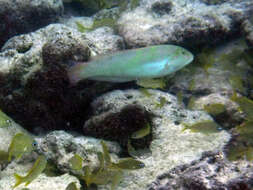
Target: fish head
column 178, row 58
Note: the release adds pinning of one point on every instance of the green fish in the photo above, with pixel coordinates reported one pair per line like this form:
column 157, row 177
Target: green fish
column 134, row 64
column 76, row 162
column 72, row 186
column 34, row 172
column 21, row 143
column 5, row 121
column 142, row 132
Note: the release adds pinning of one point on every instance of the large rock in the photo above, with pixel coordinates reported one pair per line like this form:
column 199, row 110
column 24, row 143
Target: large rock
column 34, row 86
column 22, row 16
column 190, row 23
column 170, row 146
column 212, row 171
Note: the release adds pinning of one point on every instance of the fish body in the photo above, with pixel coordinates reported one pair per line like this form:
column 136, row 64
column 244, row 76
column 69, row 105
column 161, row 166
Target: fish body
column 76, row 162
column 35, row 171
column 5, row 121
column 142, row 132
column 21, row 143
column 128, row 164
column 72, row 186
column 133, row 64
column 206, row 127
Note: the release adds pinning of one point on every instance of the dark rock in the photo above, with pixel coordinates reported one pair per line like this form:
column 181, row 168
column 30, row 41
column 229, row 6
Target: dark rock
column 212, row 172
column 18, row 17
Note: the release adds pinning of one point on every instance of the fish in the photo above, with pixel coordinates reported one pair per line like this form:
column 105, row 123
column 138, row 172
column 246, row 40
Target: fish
column 3, row 156
column 76, row 162
column 152, row 83
column 128, row 164
column 130, row 65
column 206, row 127
column 142, row 132
column 107, row 157
column 245, row 105
column 33, row 173
column 5, row 121
column 72, row 186
column 21, row 143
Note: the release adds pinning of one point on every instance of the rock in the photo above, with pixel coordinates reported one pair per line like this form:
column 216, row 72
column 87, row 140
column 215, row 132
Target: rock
column 214, row 76
column 212, row 171
column 170, row 146
column 230, row 117
column 247, row 27
column 18, row 17
column 37, row 62
column 60, row 146
column 42, row 182
column 105, row 40
column 187, row 23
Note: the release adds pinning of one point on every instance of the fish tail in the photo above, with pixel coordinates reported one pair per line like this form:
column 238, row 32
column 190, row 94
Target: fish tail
column 75, row 72
column 18, row 180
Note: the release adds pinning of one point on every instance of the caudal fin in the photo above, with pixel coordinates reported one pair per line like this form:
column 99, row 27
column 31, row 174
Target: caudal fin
column 75, row 72
column 18, row 180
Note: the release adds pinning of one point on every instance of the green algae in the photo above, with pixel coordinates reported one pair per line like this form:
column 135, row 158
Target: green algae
column 205, row 127
column 215, row 108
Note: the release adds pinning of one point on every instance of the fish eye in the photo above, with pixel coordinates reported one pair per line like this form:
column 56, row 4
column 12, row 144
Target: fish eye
column 34, row 143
